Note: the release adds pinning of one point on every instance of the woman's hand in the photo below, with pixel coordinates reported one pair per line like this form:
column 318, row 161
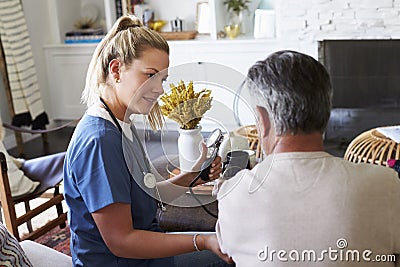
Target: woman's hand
column 216, row 166
column 211, row 243
column 174, row 187
column 215, row 171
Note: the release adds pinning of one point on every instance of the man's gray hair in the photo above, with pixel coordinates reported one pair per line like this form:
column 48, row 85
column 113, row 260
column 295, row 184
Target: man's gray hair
column 296, row 89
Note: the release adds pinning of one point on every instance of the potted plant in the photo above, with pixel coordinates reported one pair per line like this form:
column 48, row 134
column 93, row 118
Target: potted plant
column 236, row 6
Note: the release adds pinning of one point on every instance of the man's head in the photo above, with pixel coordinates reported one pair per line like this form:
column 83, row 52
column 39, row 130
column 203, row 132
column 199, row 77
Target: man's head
column 294, row 98
column 296, row 89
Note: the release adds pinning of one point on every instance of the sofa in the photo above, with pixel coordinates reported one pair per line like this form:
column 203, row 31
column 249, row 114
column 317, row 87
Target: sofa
column 28, row 253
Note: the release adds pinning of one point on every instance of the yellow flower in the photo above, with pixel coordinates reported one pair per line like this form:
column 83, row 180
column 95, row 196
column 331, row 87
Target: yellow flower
column 184, row 105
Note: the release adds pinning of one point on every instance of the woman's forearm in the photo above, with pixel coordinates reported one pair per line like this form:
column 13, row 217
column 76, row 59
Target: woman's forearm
column 174, row 187
column 115, row 225
column 141, row 244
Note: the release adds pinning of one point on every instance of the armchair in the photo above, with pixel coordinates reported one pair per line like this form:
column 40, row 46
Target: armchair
column 48, row 171
column 28, row 253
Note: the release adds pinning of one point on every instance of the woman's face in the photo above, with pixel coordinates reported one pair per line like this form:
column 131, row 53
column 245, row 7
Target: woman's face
column 141, row 82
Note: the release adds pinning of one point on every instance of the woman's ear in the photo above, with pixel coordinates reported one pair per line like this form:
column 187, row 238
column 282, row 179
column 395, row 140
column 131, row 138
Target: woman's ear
column 264, row 124
column 114, row 68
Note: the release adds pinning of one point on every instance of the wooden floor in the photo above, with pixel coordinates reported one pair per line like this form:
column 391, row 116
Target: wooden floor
column 58, row 141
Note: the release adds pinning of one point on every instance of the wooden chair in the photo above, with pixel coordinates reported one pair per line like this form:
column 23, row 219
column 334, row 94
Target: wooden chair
column 47, row 170
column 372, row 147
column 250, row 132
column 18, row 131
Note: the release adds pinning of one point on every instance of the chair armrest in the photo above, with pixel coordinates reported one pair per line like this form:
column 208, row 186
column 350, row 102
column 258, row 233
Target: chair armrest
column 26, row 130
column 42, row 256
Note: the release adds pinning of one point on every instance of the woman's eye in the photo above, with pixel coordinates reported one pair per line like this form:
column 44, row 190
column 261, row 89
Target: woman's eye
column 157, row 76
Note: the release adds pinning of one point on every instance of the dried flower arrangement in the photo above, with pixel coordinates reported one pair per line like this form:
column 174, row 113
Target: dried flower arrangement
column 184, row 105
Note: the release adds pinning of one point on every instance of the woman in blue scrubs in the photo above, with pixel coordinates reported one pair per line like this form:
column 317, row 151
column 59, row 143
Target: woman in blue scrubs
column 112, row 209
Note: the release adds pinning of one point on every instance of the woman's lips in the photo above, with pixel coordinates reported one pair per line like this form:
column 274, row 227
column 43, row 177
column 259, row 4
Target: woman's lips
column 151, row 100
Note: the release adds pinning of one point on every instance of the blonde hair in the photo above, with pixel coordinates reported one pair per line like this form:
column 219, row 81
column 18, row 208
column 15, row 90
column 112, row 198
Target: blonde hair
column 126, row 41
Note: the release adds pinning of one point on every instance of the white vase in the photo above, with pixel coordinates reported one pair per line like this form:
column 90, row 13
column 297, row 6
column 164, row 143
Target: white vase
column 189, row 148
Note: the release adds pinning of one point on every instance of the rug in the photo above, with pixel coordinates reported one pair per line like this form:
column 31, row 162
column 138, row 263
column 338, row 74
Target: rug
column 57, row 239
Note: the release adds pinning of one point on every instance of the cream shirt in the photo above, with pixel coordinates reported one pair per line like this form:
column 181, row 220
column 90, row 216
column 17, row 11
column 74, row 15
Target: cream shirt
column 311, row 209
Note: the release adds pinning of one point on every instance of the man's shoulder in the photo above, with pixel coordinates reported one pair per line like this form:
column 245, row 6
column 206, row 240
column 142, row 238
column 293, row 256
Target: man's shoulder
column 370, row 170
column 336, row 170
column 237, row 187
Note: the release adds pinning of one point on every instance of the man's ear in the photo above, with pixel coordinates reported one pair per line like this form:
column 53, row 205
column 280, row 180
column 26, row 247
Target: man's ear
column 114, row 68
column 263, row 121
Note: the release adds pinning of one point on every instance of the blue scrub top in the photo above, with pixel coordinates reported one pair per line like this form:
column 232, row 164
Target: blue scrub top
column 95, row 176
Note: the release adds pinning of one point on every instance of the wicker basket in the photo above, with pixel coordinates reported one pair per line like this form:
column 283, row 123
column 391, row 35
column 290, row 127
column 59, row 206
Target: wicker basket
column 372, row 147
column 250, row 132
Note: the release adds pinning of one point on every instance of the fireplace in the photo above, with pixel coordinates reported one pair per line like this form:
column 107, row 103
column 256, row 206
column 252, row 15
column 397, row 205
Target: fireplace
column 365, row 76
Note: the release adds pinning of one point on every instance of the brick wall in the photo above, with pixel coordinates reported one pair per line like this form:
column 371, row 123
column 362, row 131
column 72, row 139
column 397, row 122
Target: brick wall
column 305, row 22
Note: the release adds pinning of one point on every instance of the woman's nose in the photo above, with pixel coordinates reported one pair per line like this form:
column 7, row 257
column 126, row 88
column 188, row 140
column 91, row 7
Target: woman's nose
column 158, row 88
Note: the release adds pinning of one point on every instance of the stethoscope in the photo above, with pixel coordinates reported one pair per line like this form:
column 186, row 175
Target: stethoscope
column 149, row 179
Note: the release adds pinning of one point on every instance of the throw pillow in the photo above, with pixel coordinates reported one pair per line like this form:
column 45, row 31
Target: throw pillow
column 11, row 253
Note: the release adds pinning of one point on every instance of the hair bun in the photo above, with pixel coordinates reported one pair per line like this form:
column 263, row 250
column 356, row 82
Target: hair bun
column 129, row 21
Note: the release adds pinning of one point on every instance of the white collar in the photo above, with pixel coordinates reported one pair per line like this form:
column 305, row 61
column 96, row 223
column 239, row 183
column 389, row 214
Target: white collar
column 98, row 110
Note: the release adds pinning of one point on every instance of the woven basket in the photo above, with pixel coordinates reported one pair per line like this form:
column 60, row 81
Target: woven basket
column 372, row 147
column 250, row 132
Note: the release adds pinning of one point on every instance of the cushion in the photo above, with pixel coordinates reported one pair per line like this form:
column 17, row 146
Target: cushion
column 19, row 183
column 43, row 256
column 11, row 253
